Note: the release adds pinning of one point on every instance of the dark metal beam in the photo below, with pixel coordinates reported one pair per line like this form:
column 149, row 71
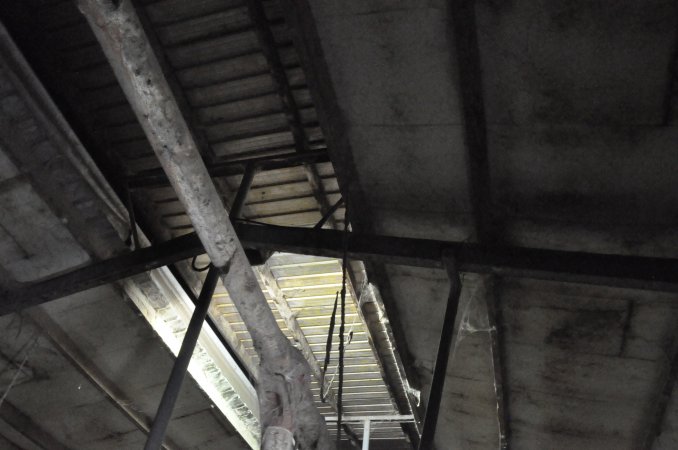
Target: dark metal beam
column 636, row 272
column 157, row 178
column 633, row 272
column 440, row 369
column 176, row 379
column 101, row 273
column 467, row 60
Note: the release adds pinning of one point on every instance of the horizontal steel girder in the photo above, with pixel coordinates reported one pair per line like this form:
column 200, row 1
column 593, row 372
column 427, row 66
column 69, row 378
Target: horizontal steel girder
column 659, row 274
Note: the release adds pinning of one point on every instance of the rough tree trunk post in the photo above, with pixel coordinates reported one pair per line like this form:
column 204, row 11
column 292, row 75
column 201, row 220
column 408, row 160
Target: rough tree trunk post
column 286, row 402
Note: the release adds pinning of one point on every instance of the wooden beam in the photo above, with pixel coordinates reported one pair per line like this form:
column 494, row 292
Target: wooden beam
column 101, row 273
column 285, row 398
column 292, row 324
column 290, row 319
column 634, row 272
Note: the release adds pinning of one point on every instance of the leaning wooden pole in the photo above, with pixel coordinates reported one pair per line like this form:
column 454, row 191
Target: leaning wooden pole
column 289, row 417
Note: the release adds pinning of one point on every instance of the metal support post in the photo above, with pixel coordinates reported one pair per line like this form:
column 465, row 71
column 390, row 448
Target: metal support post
column 243, row 190
column 366, row 435
column 446, row 339
column 169, row 397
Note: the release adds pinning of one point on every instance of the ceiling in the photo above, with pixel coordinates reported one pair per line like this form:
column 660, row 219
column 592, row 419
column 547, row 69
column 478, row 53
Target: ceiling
column 535, row 124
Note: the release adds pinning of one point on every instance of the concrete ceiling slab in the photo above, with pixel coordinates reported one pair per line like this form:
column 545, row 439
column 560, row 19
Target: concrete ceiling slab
column 595, row 63
column 390, row 66
column 25, row 257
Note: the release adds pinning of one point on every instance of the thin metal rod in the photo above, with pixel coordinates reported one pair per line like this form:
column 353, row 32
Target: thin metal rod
column 169, row 397
column 330, row 212
column 366, row 435
column 342, row 325
column 497, row 344
column 440, row 370
column 381, row 418
column 132, row 219
column 243, row 190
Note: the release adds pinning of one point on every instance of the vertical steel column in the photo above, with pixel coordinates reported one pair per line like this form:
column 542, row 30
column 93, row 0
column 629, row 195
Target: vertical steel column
column 446, row 338
column 366, row 435
column 169, row 397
